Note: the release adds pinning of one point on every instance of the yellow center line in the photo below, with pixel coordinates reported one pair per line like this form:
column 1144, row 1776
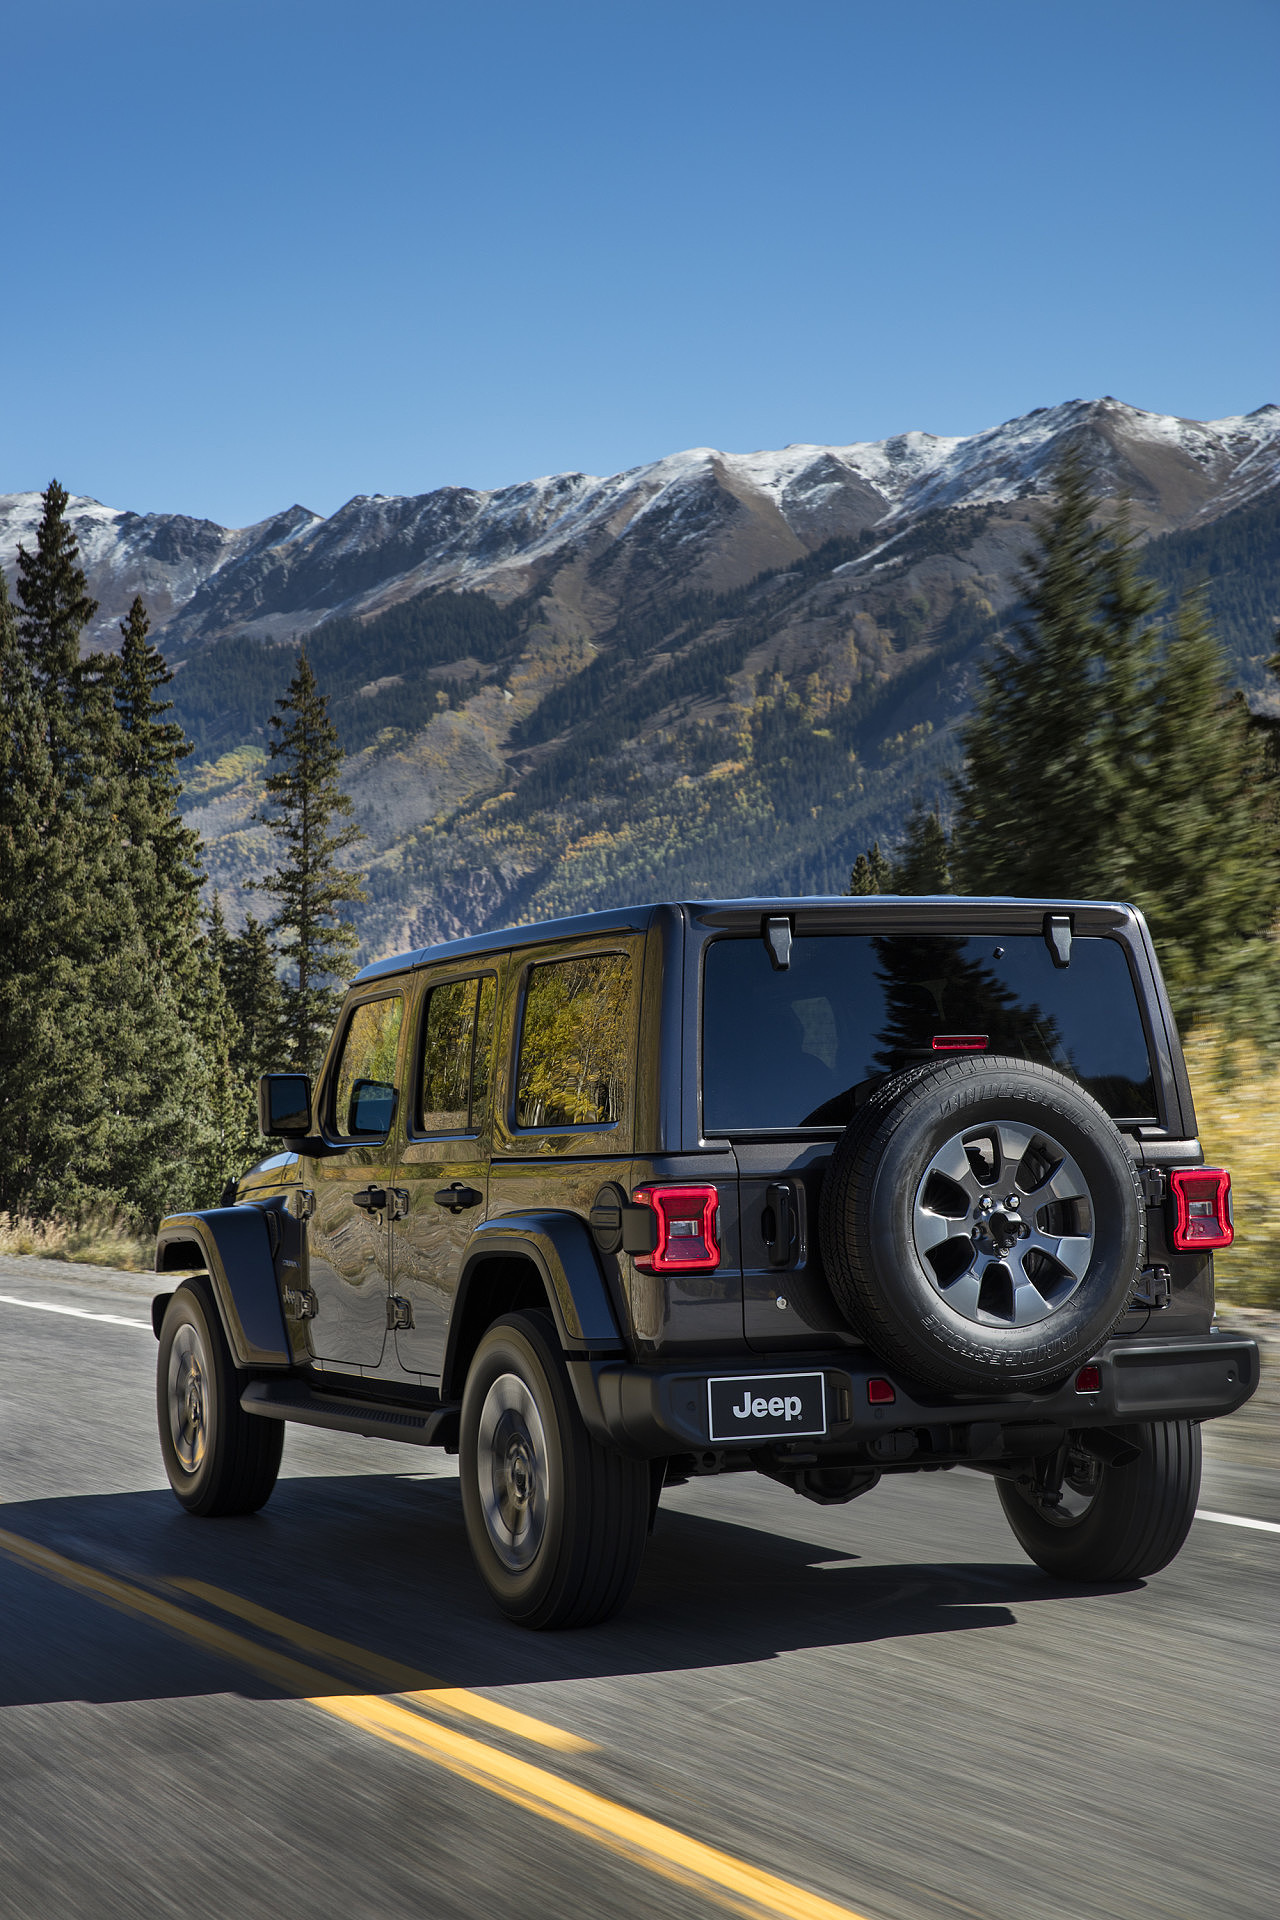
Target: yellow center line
column 649, row 1843
column 392, row 1676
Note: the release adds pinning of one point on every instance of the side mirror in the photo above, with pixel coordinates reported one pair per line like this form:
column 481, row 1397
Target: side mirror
column 372, row 1107
column 284, row 1105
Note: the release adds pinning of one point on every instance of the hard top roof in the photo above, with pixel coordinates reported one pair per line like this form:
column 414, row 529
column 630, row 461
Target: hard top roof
column 883, row 906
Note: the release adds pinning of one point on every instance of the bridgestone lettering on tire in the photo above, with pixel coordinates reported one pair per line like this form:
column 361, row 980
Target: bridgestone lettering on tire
column 982, row 1224
column 220, row 1460
column 557, row 1523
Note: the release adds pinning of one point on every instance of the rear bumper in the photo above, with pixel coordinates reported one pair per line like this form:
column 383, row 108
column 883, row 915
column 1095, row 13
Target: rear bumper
column 651, row 1411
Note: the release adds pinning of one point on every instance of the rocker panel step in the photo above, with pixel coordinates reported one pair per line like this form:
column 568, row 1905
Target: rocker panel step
column 294, row 1400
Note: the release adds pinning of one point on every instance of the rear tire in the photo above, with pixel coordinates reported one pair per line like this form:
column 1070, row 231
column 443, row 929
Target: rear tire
column 1130, row 1525
column 557, row 1522
column 220, row 1460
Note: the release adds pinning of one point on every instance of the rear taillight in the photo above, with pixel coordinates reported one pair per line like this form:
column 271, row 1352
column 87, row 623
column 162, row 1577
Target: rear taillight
column 960, row 1042
column 686, row 1229
column 1203, row 1198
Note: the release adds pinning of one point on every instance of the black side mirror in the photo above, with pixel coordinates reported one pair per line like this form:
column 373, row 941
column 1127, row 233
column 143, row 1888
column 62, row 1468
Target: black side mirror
column 284, row 1105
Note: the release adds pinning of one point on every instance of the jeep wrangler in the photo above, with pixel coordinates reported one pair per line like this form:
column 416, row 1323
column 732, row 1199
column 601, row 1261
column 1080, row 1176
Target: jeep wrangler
column 823, row 1189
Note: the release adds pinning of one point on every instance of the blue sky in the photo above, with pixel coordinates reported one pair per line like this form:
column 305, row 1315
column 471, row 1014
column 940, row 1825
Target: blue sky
column 268, row 252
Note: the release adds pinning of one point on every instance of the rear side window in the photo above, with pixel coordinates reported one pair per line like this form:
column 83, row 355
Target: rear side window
column 803, row 1046
column 364, row 1093
column 575, row 1039
column 457, row 1047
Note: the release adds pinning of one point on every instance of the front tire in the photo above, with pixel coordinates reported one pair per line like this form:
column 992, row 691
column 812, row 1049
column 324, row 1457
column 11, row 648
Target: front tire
column 219, row 1459
column 1113, row 1522
column 557, row 1522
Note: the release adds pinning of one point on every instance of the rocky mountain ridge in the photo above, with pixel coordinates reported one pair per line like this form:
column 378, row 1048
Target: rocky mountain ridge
column 721, row 517
column 716, row 673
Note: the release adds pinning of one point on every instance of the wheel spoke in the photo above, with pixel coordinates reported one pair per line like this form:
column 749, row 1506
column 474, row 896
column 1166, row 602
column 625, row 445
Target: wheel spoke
column 1013, row 1139
column 962, row 1294
column 931, row 1229
column 1066, row 1182
column 1071, row 1250
column 1029, row 1304
column 953, row 1163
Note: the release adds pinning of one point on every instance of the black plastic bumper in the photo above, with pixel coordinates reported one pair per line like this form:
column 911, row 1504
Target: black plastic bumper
column 650, row 1411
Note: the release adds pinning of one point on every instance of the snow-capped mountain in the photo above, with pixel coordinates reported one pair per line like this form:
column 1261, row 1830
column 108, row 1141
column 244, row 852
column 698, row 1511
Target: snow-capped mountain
column 717, row 673
column 710, row 518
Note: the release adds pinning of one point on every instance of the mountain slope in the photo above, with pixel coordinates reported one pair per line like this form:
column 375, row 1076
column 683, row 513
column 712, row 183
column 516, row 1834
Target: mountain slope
column 715, row 673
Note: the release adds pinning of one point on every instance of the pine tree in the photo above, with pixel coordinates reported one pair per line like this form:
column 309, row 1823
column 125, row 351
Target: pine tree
column 231, row 1140
column 56, row 605
column 165, row 856
column 96, row 1060
column 1042, row 804
column 1106, row 760
column 255, row 1000
column 872, row 873
column 27, row 786
column 923, row 864
column 310, row 884
column 1209, row 849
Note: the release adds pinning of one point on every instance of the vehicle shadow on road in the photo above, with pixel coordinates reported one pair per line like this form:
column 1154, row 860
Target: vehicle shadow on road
column 382, row 1562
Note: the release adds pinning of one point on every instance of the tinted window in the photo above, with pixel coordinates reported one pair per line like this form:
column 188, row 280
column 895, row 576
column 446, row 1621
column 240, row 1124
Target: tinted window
column 574, row 1042
column 364, row 1090
column 800, row 1047
column 456, row 1055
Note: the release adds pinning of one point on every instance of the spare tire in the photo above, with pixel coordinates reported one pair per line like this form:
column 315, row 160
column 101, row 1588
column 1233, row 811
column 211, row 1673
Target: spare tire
column 982, row 1224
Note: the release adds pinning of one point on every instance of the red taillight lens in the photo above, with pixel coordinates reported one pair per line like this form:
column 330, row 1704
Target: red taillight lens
column 880, row 1393
column 686, row 1229
column 1203, row 1196
column 960, row 1042
column 1089, row 1380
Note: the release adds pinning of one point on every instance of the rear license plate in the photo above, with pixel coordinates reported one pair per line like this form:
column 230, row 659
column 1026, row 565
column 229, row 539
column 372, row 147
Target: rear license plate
column 766, row 1406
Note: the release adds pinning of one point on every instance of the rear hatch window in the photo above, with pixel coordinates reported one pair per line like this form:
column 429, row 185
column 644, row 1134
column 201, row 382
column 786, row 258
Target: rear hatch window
column 802, row 1047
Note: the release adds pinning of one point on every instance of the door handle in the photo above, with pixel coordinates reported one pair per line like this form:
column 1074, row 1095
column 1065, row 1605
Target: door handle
column 370, row 1199
column 458, row 1197
column 778, row 1224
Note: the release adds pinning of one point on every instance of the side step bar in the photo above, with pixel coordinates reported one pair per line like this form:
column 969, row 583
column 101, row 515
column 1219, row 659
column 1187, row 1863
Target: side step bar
column 294, row 1400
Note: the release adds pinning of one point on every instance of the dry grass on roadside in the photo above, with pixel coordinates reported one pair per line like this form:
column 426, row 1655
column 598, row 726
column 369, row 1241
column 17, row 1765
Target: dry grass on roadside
column 100, row 1240
column 1238, row 1111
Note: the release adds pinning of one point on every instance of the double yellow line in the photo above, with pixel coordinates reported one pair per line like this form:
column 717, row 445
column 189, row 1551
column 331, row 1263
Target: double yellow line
column 404, row 1723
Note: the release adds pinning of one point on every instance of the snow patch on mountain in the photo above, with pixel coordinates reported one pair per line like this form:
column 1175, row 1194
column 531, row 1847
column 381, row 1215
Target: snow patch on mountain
column 283, row 575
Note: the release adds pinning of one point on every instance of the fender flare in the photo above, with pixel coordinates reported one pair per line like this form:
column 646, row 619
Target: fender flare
column 559, row 1246
column 233, row 1247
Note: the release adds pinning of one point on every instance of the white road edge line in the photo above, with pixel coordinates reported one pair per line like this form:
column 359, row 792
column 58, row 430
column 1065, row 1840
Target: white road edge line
column 118, row 1320
column 76, row 1313
column 1238, row 1520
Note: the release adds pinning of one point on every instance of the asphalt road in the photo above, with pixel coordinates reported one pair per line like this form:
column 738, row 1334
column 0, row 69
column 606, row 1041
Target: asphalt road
column 880, row 1710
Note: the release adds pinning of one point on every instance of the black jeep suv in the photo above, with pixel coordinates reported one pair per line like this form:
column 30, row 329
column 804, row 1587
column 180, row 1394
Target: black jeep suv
column 820, row 1188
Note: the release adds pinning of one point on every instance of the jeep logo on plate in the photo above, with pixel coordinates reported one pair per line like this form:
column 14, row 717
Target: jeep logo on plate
column 766, row 1406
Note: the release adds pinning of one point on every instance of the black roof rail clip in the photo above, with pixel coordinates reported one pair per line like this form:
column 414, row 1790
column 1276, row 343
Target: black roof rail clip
column 1057, row 937
column 777, row 937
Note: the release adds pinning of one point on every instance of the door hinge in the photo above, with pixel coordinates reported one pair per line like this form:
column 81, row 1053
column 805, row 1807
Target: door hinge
column 1155, row 1185
column 306, row 1205
column 1154, row 1289
column 399, row 1313
column 399, row 1198
column 300, row 1303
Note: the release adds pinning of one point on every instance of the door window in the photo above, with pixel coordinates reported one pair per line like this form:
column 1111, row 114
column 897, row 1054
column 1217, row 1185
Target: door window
column 574, row 1042
column 457, row 1050
column 364, row 1092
